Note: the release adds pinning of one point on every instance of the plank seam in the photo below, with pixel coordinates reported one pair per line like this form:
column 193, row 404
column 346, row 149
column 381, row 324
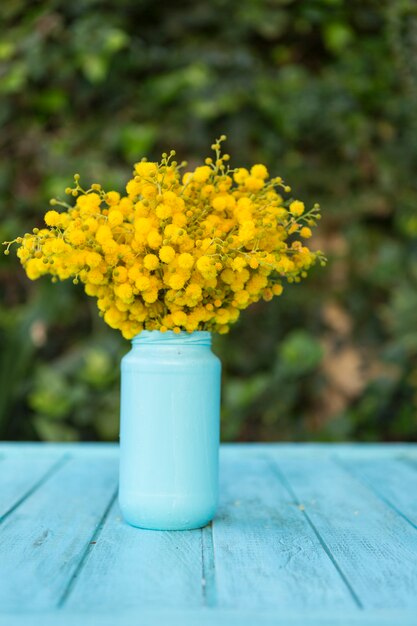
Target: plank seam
column 91, row 543
column 208, row 566
column 288, row 487
column 374, row 490
column 42, row 480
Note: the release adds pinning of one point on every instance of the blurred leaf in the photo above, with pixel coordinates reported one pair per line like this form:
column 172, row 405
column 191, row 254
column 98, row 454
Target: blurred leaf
column 337, row 36
column 137, row 140
column 98, row 369
column 51, row 395
column 14, row 78
column 94, row 67
column 7, row 49
column 300, row 353
column 51, row 100
column 53, row 431
column 115, row 40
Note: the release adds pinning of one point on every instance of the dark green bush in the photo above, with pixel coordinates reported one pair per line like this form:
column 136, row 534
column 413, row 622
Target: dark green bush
column 325, row 93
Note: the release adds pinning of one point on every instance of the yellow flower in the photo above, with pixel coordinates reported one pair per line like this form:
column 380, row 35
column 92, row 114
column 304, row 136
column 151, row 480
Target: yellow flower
column 113, row 316
column 259, row 171
column 34, row 268
column 167, row 254
column 150, row 296
column 115, row 217
column 89, row 203
column 151, row 261
column 201, row 174
column 176, row 281
column 204, row 263
column 142, row 225
column 142, row 283
column 90, row 289
column 246, row 231
column 193, row 293
column 256, row 284
column 306, row 232
column 242, row 297
column 185, row 261
column 104, row 234
column 58, row 246
column 254, row 184
column 23, row 254
column 92, row 224
column 219, row 203
column 241, row 175
column 163, row 211
column 52, row 218
column 297, row 208
column 179, row 318
column 146, row 169
column 154, row 239
column 76, row 237
column 222, row 316
column 238, row 263
column 120, row 274
column 133, row 188
column 95, row 277
column 93, row 259
column 112, row 198
column 124, row 292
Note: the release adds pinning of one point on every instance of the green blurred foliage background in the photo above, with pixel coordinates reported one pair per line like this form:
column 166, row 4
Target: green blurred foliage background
column 322, row 91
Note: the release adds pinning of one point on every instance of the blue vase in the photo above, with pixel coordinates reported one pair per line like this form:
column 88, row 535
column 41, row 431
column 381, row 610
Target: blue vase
column 169, row 431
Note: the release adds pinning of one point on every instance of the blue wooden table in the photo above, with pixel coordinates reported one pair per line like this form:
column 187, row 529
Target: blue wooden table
column 306, row 535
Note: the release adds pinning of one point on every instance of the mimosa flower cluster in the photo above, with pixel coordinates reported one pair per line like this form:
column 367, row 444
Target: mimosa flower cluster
column 181, row 252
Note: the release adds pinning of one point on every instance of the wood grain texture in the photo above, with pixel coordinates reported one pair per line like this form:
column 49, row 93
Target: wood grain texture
column 210, row 617
column 43, row 540
column 306, row 535
column 393, row 480
column 130, row 567
column 374, row 547
column 19, row 475
column 266, row 553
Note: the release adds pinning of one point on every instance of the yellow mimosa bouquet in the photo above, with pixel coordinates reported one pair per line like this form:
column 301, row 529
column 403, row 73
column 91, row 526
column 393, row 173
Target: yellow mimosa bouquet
column 178, row 251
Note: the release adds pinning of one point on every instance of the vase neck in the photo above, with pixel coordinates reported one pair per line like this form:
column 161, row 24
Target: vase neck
column 169, row 338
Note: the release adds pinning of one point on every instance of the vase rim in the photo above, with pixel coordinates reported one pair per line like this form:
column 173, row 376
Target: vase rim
column 153, row 337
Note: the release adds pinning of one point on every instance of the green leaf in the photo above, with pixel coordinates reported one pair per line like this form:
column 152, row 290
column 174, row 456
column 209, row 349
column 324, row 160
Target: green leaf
column 137, row 140
column 300, row 353
column 49, row 430
column 337, row 36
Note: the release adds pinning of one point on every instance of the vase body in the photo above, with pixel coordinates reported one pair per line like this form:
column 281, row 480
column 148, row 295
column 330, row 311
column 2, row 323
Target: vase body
column 169, row 431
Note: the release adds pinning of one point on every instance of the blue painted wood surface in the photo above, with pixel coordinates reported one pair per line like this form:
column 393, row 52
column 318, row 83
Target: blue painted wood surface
column 305, row 535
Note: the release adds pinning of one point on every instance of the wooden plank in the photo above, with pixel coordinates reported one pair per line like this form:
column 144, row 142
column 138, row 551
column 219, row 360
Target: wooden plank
column 209, row 567
column 266, row 554
column 356, row 450
column 132, row 567
column 21, row 475
column 393, row 480
column 43, row 540
column 210, row 617
column 89, row 449
column 374, row 547
column 288, row 544
column 361, row 450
